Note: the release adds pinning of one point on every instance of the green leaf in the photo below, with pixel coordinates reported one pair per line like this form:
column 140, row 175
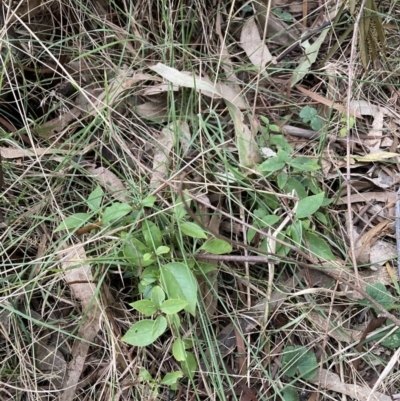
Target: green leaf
column 296, row 185
column 173, row 306
column 174, row 322
column 280, row 142
column 318, row 246
column 271, row 165
column 281, row 179
column 178, row 350
column 72, row 222
column 179, row 282
column 161, row 250
column 296, row 232
column 115, row 212
column 145, row 332
column 133, row 251
column 298, row 360
column 149, row 201
column 392, row 341
column 289, row 393
column 160, row 325
column 316, row 124
column 152, row 234
column 144, row 374
column 307, row 113
column 270, row 220
column 193, row 230
column 282, row 156
column 217, row 246
column 157, row 295
column 321, row 217
column 145, row 306
column 94, row 199
column 171, row 378
column 381, row 295
column 189, row 366
column 304, row 163
column 309, row 205
column 180, row 210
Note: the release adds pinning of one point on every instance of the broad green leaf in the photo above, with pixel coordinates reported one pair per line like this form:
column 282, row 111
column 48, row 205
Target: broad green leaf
column 114, row 212
column 281, row 179
column 174, row 322
column 171, row 378
column 152, row 234
column 94, row 199
column 381, row 295
column 296, row 232
column 145, row 306
column 316, row 124
column 271, row 165
column 392, row 341
column 310, row 55
column 161, row 250
column 251, row 233
column 307, row 113
column 149, row 201
column 171, row 306
column 179, row 282
column 178, row 350
column 144, row 333
column 193, row 230
column 204, row 268
column 318, row 246
column 144, row 374
column 74, row 221
column 289, row 393
column 189, row 366
column 217, row 246
column 133, row 251
column 151, row 274
column 283, row 156
column 321, row 217
column 281, row 142
column 160, row 325
column 157, row 295
column 297, row 360
column 180, row 211
column 309, row 205
column 297, row 186
column 270, row 219
column 304, row 163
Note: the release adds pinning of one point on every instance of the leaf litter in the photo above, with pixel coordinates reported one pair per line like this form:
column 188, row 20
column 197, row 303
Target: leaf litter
column 144, row 124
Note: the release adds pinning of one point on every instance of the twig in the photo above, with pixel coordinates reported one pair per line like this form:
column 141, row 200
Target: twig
column 397, row 217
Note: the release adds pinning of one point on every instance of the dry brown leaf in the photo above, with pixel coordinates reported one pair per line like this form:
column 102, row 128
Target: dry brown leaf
column 51, row 362
column 339, row 333
column 390, row 197
column 78, row 276
column 161, row 157
column 255, row 48
column 154, row 111
column 364, row 243
column 12, row 153
column 331, row 381
column 110, row 182
column 249, row 154
column 329, row 103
